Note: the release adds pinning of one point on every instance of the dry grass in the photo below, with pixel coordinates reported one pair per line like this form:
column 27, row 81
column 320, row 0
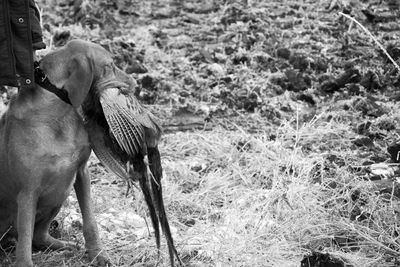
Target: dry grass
column 239, row 199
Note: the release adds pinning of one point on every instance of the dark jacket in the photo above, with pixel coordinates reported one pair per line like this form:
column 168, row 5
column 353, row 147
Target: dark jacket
column 20, row 35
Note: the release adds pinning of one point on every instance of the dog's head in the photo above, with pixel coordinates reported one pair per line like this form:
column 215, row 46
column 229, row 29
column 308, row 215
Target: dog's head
column 79, row 66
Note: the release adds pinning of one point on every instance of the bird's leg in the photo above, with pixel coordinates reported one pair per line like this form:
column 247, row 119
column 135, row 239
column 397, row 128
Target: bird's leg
column 133, row 175
column 149, row 172
column 130, row 169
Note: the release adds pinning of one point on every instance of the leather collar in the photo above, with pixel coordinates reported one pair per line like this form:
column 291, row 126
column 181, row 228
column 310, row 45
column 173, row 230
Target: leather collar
column 42, row 80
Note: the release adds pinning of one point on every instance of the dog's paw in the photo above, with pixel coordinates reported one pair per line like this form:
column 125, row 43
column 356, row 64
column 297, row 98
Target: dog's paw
column 100, row 259
column 24, row 263
column 103, row 261
column 49, row 242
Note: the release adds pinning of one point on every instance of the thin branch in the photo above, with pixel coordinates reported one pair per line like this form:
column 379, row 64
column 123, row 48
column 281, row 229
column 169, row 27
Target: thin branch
column 373, row 38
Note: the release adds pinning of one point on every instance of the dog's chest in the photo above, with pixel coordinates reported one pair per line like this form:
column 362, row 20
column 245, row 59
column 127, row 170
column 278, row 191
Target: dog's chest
column 66, row 152
column 66, row 144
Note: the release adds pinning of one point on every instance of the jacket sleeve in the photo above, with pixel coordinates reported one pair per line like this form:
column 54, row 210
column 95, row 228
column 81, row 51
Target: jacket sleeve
column 36, row 29
column 7, row 62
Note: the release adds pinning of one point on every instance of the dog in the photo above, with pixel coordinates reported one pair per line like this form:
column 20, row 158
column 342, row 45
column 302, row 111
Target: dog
column 44, row 150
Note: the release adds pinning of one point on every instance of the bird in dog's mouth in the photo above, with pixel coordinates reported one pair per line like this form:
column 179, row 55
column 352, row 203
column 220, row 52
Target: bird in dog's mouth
column 124, row 136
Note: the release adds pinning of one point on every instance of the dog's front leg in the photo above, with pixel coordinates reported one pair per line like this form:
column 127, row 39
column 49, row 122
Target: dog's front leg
column 26, row 202
column 90, row 231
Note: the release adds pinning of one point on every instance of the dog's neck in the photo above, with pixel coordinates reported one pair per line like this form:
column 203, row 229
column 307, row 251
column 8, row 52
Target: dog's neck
column 38, row 101
column 42, row 80
column 44, row 94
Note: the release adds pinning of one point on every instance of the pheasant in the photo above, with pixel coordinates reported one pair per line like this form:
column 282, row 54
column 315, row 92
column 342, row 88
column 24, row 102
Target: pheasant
column 125, row 136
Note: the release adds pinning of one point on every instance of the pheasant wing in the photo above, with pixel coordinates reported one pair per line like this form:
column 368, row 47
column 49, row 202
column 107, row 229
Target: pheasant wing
column 100, row 142
column 132, row 126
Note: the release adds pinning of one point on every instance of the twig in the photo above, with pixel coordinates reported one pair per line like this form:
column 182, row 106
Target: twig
column 369, row 165
column 373, row 38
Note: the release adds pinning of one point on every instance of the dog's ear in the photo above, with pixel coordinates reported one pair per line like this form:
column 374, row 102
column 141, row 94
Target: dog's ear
column 80, row 79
